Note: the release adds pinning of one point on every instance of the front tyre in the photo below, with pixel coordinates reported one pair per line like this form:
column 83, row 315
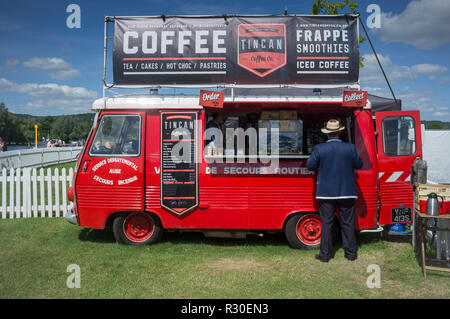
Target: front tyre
column 137, row 228
column 303, row 231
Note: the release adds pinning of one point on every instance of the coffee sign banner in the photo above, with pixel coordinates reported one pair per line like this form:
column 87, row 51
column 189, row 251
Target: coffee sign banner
column 320, row 50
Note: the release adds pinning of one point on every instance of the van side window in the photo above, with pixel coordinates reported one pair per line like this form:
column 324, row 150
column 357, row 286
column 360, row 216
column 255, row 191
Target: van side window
column 399, row 136
column 117, row 135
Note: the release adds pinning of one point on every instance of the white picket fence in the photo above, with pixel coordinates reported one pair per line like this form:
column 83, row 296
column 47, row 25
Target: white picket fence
column 31, row 192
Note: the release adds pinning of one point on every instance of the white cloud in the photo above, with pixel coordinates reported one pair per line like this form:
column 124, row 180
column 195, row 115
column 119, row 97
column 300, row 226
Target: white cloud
column 12, row 63
column 423, row 24
column 432, row 70
column 65, row 74
column 35, row 104
column 441, row 114
column 371, row 73
column 415, row 99
column 57, row 68
column 429, row 69
column 47, row 64
column 421, row 99
column 53, row 90
column 6, row 85
column 444, row 80
column 51, row 95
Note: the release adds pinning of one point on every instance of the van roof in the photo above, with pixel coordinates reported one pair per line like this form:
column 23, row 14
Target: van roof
column 253, row 95
column 149, row 101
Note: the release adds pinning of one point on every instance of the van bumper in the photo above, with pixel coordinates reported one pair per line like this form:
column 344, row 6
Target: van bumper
column 70, row 217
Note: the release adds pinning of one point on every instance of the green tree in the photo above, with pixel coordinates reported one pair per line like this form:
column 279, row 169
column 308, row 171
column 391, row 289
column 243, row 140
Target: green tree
column 45, row 126
column 62, row 127
column 19, row 128
column 9, row 127
column 5, row 122
column 338, row 7
column 27, row 129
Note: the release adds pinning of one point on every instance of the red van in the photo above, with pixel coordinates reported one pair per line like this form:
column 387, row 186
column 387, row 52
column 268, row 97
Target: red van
column 127, row 178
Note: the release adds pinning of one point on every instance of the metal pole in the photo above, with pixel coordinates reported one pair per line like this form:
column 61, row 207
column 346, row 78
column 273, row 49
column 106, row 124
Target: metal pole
column 379, row 63
column 105, row 51
column 35, row 135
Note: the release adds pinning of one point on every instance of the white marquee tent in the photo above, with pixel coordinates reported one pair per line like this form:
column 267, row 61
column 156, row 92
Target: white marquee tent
column 436, row 151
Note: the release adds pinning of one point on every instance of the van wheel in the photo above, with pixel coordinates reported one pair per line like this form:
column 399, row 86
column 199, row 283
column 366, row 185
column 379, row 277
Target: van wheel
column 136, row 229
column 303, row 231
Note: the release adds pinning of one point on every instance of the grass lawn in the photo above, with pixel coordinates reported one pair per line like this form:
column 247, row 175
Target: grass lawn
column 35, row 255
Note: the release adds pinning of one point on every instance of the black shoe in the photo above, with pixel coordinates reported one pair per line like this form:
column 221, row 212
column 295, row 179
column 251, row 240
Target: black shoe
column 324, row 260
column 351, row 258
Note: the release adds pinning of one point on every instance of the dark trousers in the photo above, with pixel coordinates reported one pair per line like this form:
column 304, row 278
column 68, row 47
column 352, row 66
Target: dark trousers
column 347, row 218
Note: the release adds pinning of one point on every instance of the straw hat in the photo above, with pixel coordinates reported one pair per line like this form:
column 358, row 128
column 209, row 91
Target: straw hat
column 332, row 126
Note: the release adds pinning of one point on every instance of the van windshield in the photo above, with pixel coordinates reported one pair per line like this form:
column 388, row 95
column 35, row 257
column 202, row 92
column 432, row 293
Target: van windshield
column 117, row 135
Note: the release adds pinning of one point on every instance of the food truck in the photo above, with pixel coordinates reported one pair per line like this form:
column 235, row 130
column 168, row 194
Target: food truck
column 156, row 162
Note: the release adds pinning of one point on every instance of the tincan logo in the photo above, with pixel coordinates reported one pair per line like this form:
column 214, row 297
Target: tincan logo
column 261, row 47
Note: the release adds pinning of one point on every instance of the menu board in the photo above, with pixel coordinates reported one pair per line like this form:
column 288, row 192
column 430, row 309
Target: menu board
column 179, row 169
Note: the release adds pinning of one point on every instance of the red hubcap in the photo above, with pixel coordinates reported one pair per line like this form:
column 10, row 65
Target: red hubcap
column 138, row 227
column 309, row 229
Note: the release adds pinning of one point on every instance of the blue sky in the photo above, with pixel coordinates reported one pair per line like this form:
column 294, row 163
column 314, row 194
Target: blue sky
column 48, row 69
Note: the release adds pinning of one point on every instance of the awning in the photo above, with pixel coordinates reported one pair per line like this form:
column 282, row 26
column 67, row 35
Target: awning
column 378, row 103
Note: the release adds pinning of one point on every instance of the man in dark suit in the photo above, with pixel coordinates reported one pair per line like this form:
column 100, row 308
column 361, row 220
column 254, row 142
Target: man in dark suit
column 335, row 161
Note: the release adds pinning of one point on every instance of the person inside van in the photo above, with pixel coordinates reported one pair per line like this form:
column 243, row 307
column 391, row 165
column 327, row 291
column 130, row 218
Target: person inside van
column 134, row 147
column 3, row 147
column 109, row 145
column 218, row 121
column 243, row 124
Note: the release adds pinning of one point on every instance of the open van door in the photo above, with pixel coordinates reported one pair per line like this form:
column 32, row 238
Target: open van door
column 399, row 143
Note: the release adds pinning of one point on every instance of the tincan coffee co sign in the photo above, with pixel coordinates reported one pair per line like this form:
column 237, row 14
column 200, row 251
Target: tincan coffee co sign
column 261, row 47
column 236, row 50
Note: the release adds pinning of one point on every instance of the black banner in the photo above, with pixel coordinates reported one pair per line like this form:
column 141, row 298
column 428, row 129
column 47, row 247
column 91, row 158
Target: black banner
column 236, row 50
column 179, row 172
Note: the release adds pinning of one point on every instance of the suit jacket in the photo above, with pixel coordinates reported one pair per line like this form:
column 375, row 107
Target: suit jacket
column 212, row 124
column 335, row 161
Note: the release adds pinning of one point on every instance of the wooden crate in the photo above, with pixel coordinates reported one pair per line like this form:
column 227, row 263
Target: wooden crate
column 422, row 191
column 420, row 221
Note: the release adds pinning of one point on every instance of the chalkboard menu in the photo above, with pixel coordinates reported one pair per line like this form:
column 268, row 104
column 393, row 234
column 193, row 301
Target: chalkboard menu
column 179, row 171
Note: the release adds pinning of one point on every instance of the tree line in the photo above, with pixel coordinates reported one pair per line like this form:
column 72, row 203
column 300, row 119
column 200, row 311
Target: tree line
column 19, row 128
column 436, row 125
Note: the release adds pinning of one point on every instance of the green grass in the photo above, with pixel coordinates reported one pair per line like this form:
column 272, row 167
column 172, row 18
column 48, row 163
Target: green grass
column 36, row 252
column 67, row 166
